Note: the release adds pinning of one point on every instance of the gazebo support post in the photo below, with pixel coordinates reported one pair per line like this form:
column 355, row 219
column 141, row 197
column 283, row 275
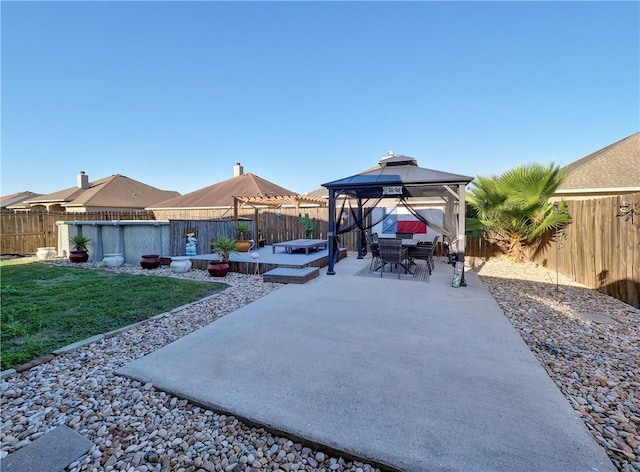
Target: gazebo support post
column 331, row 231
column 360, row 230
column 461, row 230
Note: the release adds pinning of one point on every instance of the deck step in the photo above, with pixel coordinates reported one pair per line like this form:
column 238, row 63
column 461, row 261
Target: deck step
column 285, row 275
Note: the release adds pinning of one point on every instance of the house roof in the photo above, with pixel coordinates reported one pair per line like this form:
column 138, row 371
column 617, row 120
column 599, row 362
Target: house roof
column 220, row 195
column 16, row 198
column 116, row 191
column 318, row 193
column 616, row 166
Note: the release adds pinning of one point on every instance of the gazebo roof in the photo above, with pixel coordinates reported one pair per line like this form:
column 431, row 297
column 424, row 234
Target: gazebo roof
column 397, row 176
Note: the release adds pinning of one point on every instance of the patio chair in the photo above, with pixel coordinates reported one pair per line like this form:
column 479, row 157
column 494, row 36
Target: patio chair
column 434, row 244
column 392, row 252
column 424, row 251
column 375, row 256
column 372, row 241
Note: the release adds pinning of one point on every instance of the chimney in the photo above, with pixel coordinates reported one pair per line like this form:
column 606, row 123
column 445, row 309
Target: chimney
column 237, row 170
column 83, row 180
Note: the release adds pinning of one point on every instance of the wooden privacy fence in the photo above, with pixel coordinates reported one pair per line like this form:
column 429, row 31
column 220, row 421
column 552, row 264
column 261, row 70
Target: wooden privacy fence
column 205, row 232
column 598, row 249
column 24, row 233
column 481, row 248
column 283, row 225
column 273, row 226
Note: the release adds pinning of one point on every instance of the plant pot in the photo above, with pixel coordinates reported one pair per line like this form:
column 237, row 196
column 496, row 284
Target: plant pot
column 217, row 269
column 113, row 260
column 45, row 253
column 78, row 256
column 243, row 245
column 150, row 261
column 180, row 264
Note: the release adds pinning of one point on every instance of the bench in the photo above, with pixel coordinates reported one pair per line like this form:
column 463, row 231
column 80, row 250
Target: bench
column 305, row 244
column 285, row 275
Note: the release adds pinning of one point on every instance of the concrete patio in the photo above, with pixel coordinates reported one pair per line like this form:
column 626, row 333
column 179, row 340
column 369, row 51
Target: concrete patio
column 408, row 375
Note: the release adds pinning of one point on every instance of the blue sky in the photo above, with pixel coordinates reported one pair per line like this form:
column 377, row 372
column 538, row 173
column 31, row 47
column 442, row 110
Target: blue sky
column 302, row 93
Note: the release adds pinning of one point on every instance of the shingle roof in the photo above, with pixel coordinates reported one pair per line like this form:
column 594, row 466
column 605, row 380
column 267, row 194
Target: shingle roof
column 221, row 194
column 614, row 166
column 116, row 191
column 15, row 198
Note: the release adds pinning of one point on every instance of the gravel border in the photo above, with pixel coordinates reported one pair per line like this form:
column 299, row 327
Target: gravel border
column 589, row 344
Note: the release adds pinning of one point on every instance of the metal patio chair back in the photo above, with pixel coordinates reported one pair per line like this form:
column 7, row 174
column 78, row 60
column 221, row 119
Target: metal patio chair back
column 372, row 240
column 392, row 252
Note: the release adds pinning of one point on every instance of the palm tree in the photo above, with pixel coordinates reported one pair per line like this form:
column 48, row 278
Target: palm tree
column 513, row 209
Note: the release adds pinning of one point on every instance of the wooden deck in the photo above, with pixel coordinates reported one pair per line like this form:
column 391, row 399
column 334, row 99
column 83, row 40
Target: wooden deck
column 291, row 276
column 242, row 262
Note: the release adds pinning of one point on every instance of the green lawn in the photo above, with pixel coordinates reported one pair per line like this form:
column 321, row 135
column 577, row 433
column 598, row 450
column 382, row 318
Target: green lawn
column 47, row 307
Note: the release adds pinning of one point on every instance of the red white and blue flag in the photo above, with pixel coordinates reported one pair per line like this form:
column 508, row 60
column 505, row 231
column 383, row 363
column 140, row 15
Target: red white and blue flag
column 403, row 223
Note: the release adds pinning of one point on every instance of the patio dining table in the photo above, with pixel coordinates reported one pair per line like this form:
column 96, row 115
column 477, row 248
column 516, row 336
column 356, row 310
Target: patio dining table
column 410, row 242
column 406, row 243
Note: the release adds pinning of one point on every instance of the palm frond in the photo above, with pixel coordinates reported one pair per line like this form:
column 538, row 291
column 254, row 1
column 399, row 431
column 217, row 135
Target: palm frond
column 514, row 207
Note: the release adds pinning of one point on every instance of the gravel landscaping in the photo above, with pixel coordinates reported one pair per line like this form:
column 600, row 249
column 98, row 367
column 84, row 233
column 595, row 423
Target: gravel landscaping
column 588, row 343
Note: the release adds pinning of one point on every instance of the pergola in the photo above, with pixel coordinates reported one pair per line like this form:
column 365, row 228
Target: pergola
column 272, row 201
column 399, row 177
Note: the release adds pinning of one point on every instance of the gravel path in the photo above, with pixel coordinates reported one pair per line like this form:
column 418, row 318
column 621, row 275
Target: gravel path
column 587, row 341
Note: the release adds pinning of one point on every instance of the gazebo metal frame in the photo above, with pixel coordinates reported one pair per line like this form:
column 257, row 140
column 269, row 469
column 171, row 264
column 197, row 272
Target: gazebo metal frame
column 399, row 177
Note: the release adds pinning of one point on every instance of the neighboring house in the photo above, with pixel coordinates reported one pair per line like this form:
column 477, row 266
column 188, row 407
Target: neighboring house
column 218, row 200
column 114, row 193
column 612, row 170
column 319, row 193
column 16, row 198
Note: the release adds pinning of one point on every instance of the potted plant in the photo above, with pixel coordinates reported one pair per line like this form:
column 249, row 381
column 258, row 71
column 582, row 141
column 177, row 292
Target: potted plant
column 242, row 231
column 150, row 261
column 224, row 246
column 79, row 253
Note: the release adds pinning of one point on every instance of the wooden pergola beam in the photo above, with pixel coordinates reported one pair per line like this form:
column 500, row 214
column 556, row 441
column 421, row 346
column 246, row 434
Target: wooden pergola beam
column 277, row 200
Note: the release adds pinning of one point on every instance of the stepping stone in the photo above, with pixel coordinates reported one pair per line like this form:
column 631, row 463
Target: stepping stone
column 284, row 275
column 597, row 317
column 51, row 452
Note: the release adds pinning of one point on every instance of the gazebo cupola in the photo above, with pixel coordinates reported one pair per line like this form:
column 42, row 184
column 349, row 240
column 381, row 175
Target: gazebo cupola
column 392, row 160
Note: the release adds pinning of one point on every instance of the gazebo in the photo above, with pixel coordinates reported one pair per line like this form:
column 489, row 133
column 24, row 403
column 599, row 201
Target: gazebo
column 399, row 177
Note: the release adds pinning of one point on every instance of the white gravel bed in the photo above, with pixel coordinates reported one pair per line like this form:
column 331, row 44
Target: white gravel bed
column 589, row 344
